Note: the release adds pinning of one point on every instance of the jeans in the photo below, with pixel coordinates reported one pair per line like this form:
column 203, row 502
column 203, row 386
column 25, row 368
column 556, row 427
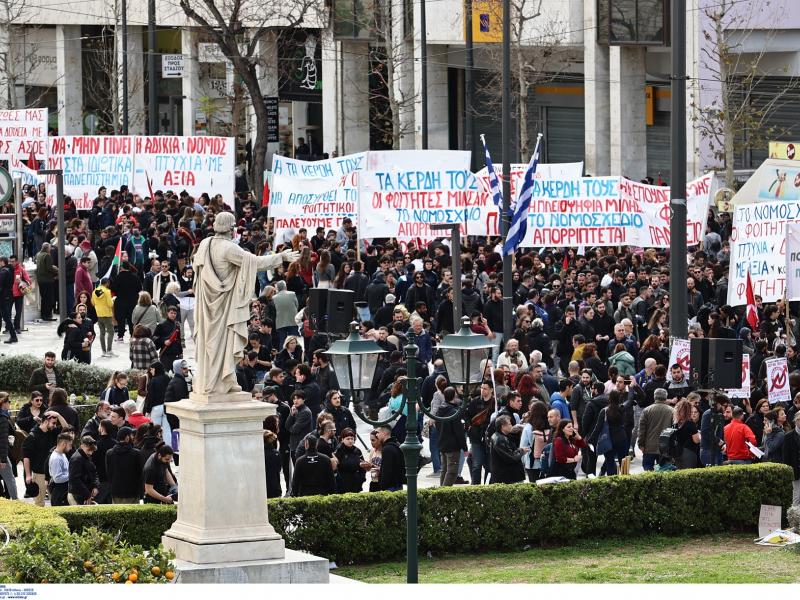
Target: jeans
column 186, row 315
column 496, row 344
column 433, row 440
column 478, row 461
column 710, row 458
column 449, row 468
column 5, row 312
column 649, row 461
column 9, row 481
column 18, row 304
column 637, row 414
column 106, row 326
column 284, row 332
column 70, row 297
column 740, row 462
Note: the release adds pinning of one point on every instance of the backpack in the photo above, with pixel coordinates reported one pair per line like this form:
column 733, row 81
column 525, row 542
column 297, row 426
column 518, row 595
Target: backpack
column 668, row 444
column 548, row 459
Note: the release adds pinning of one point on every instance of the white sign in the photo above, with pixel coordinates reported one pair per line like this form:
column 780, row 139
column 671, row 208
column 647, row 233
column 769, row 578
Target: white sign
column 23, row 132
column 744, row 391
column 769, row 519
column 778, row 380
column 172, row 66
column 758, row 245
column 793, row 260
column 680, row 354
column 210, row 53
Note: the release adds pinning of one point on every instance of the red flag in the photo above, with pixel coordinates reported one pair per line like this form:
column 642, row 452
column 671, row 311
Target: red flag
column 265, row 193
column 33, row 164
column 565, row 263
column 752, row 311
column 660, row 180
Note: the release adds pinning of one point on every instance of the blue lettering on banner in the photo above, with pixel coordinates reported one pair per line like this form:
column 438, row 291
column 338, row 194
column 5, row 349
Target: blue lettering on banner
column 596, row 220
column 410, row 181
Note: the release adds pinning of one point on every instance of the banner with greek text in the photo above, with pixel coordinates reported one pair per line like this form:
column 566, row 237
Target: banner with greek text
column 319, row 169
column 23, row 132
column 778, row 380
column 321, row 202
column 793, row 260
column 758, row 245
column 196, row 164
column 680, row 354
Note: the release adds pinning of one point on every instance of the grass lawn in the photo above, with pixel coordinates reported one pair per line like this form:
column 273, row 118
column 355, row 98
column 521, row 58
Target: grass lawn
column 729, row 558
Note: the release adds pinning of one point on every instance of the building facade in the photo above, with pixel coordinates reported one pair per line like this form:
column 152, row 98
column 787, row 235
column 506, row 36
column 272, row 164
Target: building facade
column 592, row 75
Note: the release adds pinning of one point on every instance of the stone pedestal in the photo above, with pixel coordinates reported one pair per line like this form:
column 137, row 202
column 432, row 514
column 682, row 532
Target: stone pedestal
column 222, row 519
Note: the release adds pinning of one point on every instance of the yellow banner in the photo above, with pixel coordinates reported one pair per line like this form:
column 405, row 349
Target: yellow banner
column 784, row 150
column 487, row 21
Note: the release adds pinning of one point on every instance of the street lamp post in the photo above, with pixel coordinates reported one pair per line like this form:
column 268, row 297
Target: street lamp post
column 455, row 256
column 354, row 361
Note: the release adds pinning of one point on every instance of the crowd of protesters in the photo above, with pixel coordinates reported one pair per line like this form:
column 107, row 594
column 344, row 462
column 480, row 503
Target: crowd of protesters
column 585, row 379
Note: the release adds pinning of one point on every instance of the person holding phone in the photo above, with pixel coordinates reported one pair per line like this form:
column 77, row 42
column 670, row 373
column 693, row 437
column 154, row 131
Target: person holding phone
column 567, row 445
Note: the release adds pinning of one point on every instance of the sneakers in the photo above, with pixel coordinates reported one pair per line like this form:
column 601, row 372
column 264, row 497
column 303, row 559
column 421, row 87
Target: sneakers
column 120, row 340
column 105, row 355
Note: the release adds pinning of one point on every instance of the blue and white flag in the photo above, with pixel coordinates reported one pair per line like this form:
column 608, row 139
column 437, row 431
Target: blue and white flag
column 519, row 224
column 494, row 182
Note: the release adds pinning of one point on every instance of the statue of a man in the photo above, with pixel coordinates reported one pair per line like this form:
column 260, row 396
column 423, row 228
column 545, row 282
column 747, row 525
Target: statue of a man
column 225, row 276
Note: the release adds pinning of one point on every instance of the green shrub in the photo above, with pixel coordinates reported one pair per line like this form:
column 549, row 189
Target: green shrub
column 45, row 555
column 351, row 528
column 16, row 516
column 142, row 524
column 15, row 373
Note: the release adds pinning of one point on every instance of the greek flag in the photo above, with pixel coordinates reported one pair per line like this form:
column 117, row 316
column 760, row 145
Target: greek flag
column 519, row 223
column 494, row 182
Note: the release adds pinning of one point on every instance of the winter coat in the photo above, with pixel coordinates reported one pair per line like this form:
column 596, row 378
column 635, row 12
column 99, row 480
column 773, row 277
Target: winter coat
column 506, row 460
column 350, row 475
column 624, row 361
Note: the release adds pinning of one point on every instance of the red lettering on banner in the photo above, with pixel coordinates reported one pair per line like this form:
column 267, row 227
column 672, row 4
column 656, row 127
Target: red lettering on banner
column 85, row 145
column 205, row 145
column 179, row 178
column 162, row 145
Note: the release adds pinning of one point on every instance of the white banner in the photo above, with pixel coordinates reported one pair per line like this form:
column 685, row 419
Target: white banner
column 744, row 391
column 26, row 175
column 23, row 132
column 196, row 164
column 319, row 169
column 315, row 203
column 758, row 245
column 679, row 354
column 778, row 380
column 793, row 260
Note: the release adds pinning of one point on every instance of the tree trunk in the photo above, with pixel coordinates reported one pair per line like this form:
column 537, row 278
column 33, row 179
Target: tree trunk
column 259, row 152
column 522, row 109
column 728, row 132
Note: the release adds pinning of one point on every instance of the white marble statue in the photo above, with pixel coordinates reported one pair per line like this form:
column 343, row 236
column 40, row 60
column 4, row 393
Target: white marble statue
column 225, row 277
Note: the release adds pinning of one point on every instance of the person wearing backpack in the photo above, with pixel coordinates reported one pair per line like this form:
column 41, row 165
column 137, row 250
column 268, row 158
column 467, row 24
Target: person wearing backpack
column 687, row 436
column 655, row 418
column 535, row 435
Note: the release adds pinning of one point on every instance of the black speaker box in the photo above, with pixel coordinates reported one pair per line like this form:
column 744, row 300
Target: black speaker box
column 340, row 310
column 716, row 363
column 318, row 307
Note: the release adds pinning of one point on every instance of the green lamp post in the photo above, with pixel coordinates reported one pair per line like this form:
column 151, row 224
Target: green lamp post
column 354, row 362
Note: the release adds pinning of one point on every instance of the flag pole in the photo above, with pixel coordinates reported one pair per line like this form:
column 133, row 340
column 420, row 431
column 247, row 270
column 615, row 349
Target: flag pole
column 505, row 217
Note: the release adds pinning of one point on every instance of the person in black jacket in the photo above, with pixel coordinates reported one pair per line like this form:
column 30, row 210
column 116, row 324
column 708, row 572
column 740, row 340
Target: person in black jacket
column 506, row 457
column 420, row 292
column 272, row 457
column 92, row 426
column 157, row 383
column 452, row 438
column 6, row 430
column 7, row 299
column 342, row 417
column 393, row 464
column 299, row 423
column 124, row 468
column 106, row 440
column 167, row 338
column 47, row 377
column 351, row 468
column 590, row 416
column 84, row 485
column 59, row 403
column 376, row 293
column 478, row 414
column 177, row 388
column 305, row 384
column 126, row 286
column 313, row 472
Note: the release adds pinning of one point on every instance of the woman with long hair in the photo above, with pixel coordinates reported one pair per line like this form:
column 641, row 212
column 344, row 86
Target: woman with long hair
column 325, row 272
column 756, row 420
column 296, row 283
column 688, row 435
column 59, row 403
column 77, row 343
column 341, row 276
column 657, row 322
column 535, row 435
column 157, row 382
column 142, row 349
column 30, row 414
column 145, row 313
column 652, row 347
column 612, row 415
column 776, row 427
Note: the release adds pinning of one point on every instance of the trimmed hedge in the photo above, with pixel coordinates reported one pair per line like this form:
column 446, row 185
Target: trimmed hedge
column 353, row 528
column 16, row 516
column 15, row 373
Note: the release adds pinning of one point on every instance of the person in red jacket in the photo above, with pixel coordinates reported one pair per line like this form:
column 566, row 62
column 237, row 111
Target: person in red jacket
column 83, row 279
column 736, row 436
column 567, row 443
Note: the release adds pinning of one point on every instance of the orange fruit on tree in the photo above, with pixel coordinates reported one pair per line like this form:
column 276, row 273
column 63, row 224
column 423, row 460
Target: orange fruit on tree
column 156, row 571
column 169, row 575
column 115, row 576
column 133, row 577
column 87, row 564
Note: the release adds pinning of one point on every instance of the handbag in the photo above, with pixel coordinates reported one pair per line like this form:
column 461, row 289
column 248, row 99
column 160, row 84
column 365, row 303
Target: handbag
column 604, row 443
